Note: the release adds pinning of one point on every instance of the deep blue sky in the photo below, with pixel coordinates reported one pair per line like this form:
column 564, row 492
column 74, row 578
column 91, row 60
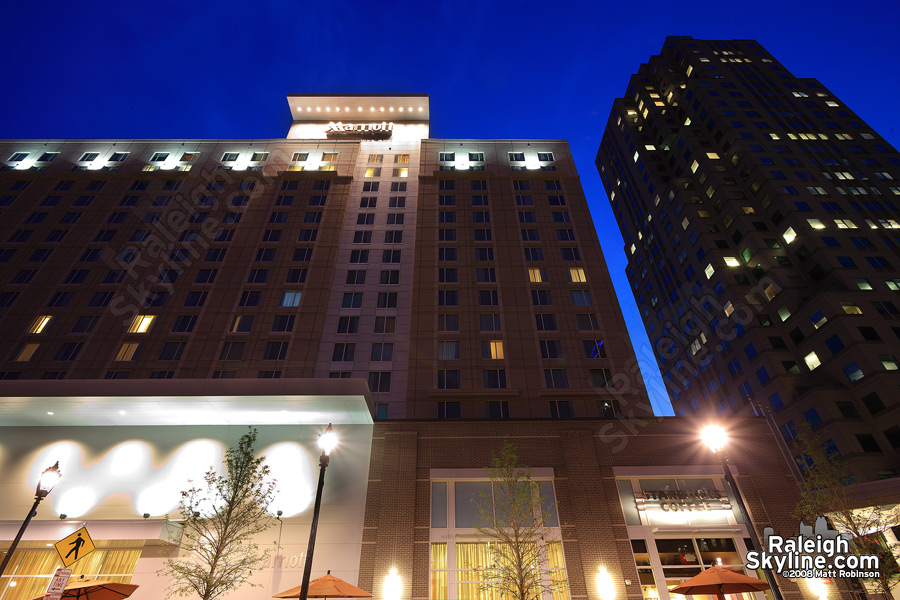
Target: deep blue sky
column 493, row 70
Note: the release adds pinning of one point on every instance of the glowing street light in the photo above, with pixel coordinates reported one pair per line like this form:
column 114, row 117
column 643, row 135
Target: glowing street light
column 716, row 439
column 48, row 479
column 328, row 441
column 606, row 587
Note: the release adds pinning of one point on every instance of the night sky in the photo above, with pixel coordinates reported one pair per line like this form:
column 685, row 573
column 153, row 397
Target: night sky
column 493, row 70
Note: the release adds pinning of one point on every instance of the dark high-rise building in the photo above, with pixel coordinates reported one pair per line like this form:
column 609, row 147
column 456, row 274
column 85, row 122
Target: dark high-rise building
column 760, row 220
column 460, row 278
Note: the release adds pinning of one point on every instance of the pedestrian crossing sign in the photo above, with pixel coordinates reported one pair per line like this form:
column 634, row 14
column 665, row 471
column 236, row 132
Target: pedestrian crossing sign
column 74, row 546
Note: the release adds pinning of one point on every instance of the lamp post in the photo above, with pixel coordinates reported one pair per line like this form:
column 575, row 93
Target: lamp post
column 716, row 438
column 45, row 484
column 328, row 441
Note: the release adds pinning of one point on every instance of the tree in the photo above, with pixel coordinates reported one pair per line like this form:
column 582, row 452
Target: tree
column 220, row 520
column 829, row 490
column 513, row 520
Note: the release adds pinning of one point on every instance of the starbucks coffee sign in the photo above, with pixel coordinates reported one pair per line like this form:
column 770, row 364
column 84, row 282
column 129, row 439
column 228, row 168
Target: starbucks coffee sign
column 360, row 131
column 682, row 500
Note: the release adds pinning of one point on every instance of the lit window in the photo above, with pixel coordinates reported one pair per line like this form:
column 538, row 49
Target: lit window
column 373, row 172
column 400, row 173
column 159, row 156
column 329, row 156
column 862, row 283
column 729, row 308
column 127, row 351
column 853, row 372
column 818, row 319
column 259, row 156
column 732, row 261
column 40, row 324
column 812, row 361
column 291, row 298
column 141, row 324
column 712, row 155
column 851, row 308
column 492, row 350
column 190, row 156
column 770, row 291
column 889, row 362
column 401, row 159
column 300, row 156
column 789, row 235
column 709, row 270
column 537, row 275
column 784, row 313
column 26, row 352
column 694, row 166
column 576, row 275
column 230, row 156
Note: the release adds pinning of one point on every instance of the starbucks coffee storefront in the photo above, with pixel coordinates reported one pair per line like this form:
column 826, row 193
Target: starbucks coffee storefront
column 678, row 524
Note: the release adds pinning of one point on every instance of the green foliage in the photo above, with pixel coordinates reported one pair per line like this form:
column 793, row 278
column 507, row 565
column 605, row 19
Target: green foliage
column 220, row 520
column 829, row 490
column 511, row 519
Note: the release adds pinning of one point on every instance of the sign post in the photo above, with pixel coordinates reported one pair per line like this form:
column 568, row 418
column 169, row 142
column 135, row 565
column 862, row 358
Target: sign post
column 58, row 584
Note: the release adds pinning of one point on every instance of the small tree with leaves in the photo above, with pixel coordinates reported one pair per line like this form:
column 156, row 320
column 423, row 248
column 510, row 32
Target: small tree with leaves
column 513, row 520
column 829, row 490
column 220, row 520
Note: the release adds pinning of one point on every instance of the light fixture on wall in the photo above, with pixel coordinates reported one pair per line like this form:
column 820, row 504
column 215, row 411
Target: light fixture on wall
column 606, row 587
column 393, row 586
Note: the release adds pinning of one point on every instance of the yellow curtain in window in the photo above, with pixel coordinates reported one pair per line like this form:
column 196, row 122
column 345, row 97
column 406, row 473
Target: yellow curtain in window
column 438, row 572
column 119, row 562
column 26, row 587
column 35, row 563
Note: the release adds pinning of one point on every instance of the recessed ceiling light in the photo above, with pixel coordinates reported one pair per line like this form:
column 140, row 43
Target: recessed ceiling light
column 359, row 109
column 318, row 109
column 327, row 109
column 401, row 109
column 372, row 108
column 122, row 412
column 420, row 109
column 308, row 109
column 381, row 109
column 346, row 109
column 391, row 109
column 50, row 412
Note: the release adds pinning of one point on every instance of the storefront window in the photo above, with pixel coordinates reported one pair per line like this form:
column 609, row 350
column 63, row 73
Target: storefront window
column 465, row 570
column 31, row 569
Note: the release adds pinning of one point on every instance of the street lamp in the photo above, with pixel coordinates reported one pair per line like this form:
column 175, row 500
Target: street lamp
column 45, row 484
column 716, row 438
column 328, row 441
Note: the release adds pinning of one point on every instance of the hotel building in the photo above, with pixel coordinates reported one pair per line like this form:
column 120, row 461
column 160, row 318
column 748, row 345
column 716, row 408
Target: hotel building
column 431, row 298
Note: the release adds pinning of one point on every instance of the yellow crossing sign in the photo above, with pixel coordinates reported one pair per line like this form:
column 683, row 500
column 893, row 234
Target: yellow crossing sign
column 72, row 547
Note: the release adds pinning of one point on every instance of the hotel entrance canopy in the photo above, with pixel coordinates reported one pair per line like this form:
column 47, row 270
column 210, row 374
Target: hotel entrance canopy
column 92, row 402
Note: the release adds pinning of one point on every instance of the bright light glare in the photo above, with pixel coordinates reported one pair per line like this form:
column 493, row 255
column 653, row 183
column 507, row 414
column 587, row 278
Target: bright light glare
column 328, row 441
column 77, row 501
column 128, row 458
column 393, row 586
column 714, row 437
column 606, row 588
column 49, row 478
column 818, row 587
column 292, row 468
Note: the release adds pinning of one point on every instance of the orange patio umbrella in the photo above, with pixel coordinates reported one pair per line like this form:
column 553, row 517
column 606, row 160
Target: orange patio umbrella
column 720, row 581
column 96, row 589
column 327, row 586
